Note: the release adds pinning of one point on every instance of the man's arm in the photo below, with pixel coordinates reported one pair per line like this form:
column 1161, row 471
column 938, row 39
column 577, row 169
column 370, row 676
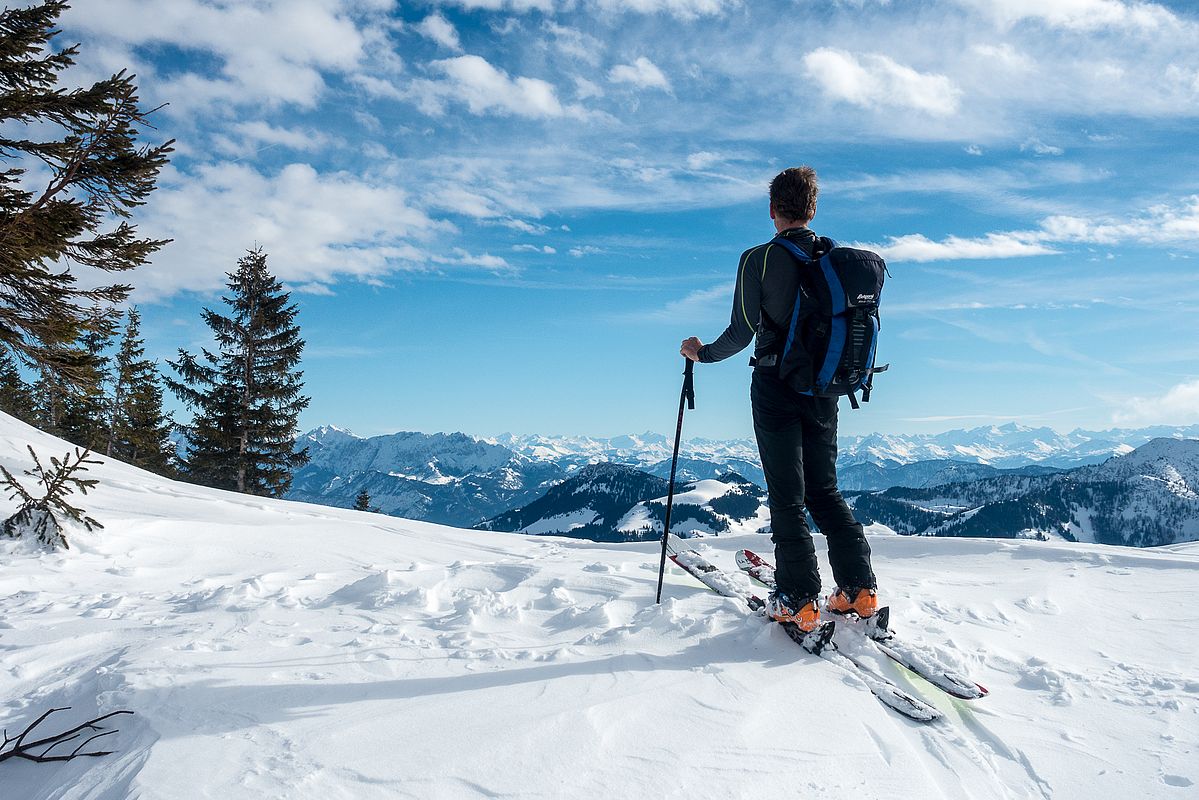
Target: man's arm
column 747, row 301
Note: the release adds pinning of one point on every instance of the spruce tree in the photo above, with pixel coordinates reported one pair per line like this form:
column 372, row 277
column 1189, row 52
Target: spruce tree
column 72, row 173
column 363, row 501
column 85, row 407
column 16, row 396
column 52, row 386
column 139, row 431
column 246, row 396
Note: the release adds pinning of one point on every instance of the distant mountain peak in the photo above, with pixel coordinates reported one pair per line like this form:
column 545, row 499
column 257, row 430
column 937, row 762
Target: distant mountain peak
column 327, row 433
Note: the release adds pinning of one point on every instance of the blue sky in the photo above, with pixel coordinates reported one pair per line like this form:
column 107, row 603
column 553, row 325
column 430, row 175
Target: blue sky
column 504, row 215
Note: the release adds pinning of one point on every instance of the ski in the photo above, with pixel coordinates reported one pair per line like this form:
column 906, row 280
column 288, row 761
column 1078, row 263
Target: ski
column 916, row 659
column 877, row 629
column 708, row 573
column 818, row 642
column 753, row 566
column 881, row 687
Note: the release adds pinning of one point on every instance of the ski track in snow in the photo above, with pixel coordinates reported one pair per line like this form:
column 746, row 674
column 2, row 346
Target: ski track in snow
column 276, row 649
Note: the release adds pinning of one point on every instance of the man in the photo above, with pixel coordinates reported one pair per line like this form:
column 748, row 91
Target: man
column 796, row 433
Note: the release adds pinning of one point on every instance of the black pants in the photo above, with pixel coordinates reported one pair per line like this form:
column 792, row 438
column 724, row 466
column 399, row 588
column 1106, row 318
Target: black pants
column 797, row 439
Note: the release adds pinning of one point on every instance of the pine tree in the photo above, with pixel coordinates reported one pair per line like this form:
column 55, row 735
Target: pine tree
column 246, row 396
column 139, row 431
column 363, row 501
column 85, row 408
column 84, row 141
column 16, row 396
column 51, row 388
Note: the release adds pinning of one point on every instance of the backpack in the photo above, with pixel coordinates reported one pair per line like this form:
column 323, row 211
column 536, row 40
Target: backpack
column 830, row 344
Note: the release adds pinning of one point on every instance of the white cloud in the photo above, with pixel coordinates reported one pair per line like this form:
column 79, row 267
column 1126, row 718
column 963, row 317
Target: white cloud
column 700, row 304
column 483, row 88
column 440, row 30
column 919, row 248
column 585, row 250
column 585, row 89
column 1178, row 406
column 973, row 150
column 642, row 73
column 1082, row 15
column 460, row 200
column 703, row 160
column 524, row 226
column 1006, row 56
column 1041, row 148
column 461, row 257
column 316, row 228
column 532, row 248
column 502, row 5
column 574, row 43
column 878, row 82
column 1160, row 224
column 683, row 9
column 272, row 51
column 248, row 138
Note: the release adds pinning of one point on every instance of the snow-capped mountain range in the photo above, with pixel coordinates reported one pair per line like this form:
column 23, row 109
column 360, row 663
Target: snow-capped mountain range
column 452, row 479
column 1001, row 446
column 462, row 480
column 1147, row 497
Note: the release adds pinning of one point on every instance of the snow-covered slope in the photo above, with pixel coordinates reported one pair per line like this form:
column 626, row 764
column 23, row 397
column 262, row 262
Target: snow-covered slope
column 587, row 505
column 282, row 650
column 728, row 506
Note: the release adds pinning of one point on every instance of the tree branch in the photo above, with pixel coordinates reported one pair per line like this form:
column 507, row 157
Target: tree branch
column 23, row 750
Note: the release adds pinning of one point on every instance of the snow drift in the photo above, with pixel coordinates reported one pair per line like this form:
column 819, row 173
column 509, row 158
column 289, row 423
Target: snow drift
column 276, row 649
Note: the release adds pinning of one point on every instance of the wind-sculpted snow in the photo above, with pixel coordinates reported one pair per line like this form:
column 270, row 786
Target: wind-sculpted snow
column 278, row 649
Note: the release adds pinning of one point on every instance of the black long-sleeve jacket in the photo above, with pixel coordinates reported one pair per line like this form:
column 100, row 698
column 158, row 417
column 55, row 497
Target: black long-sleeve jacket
column 763, row 299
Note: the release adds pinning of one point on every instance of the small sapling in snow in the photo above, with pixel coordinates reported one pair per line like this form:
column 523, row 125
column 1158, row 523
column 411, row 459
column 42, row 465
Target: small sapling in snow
column 39, row 516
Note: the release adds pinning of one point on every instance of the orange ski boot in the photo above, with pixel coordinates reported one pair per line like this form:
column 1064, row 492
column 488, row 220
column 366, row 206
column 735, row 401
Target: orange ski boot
column 863, row 602
column 804, row 614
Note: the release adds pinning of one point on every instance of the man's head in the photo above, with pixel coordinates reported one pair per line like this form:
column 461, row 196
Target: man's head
column 793, row 197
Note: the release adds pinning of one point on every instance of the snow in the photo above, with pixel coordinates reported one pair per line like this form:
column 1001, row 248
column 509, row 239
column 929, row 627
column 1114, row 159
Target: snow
column 278, row 649
column 699, row 493
column 561, row 523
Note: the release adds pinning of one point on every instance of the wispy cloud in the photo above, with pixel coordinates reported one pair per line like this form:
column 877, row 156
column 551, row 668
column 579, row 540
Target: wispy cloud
column 1178, row 405
column 440, row 30
column 1162, row 224
column 919, row 248
column 642, row 73
column 700, row 305
column 682, row 9
column 1079, row 15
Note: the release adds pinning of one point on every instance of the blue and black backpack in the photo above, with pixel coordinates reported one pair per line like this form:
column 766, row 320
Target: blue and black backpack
column 829, row 347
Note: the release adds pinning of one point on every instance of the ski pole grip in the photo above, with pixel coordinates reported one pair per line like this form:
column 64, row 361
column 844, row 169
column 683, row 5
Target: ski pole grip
column 689, row 383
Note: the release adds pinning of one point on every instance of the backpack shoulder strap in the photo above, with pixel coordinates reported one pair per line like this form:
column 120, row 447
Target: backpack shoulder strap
column 792, row 248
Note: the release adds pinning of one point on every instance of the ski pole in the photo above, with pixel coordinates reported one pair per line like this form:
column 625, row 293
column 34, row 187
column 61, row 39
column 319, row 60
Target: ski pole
column 687, row 398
